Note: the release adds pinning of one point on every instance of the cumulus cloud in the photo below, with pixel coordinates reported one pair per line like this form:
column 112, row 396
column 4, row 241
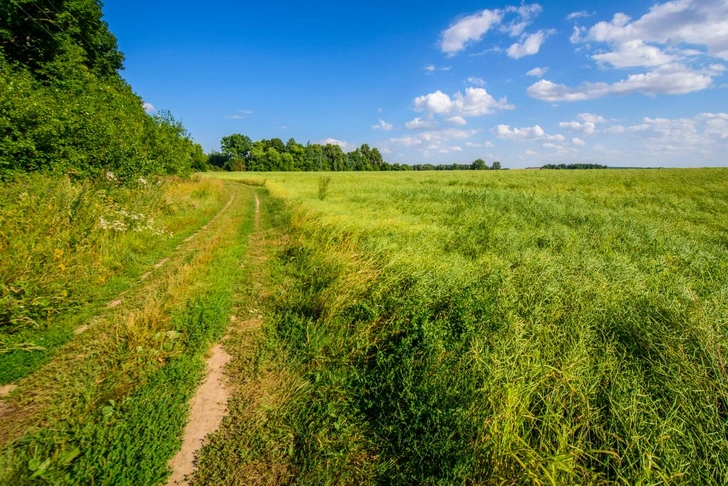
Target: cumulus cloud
column 148, row 107
column 471, row 28
column 670, row 79
column 476, row 81
column 419, row 124
column 527, row 134
column 578, row 141
column 382, row 125
column 537, row 72
column 634, row 53
column 468, row 30
column 435, row 141
column 457, row 120
column 475, row 102
column 587, row 125
column 674, row 43
column 529, row 44
column 473, row 144
column 332, row 141
column 703, row 133
column 691, row 22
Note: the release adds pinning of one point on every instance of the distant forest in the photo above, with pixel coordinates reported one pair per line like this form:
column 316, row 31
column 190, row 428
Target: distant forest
column 573, row 166
column 240, row 153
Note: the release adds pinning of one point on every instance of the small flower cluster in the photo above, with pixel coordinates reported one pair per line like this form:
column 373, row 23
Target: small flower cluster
column 122, row 220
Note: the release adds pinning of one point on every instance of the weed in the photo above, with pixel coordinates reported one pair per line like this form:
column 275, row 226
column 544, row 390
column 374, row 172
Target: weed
column 323, row 187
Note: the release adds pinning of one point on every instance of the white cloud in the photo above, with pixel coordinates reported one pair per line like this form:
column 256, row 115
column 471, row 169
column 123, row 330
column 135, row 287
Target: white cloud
column 692, row 22
column 475, row 102
column 419, row 124
column 468, row 30
column 537, row 72
column 471, row 28
column 476, row 81
column 431, row 68
column 578, row 15
column 703, row 133
column 473, row 144
column 587, row 125
column 332, row 141
column 527, row 134
column 457, row 120
column 529, row 45
column 634, row 53
column 530, row 153
column 578, row 141
column 148, row 107
column 435, row 141
column 674, row 41
column 382, row 125
column 523, row 17
column 489, row 145
column 241, row 114
column 575, row 126
column 669, row 79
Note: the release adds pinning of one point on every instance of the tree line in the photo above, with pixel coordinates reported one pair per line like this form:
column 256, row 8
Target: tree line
column 239, row 153
column 64, row 107
column 573, row 166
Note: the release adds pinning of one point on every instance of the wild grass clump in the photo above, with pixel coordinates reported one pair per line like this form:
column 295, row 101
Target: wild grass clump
column 543, row 328
column 324, row 183
column 65, row 245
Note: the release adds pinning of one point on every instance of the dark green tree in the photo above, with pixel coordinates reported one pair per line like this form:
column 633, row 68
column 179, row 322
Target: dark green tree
column 478, row 164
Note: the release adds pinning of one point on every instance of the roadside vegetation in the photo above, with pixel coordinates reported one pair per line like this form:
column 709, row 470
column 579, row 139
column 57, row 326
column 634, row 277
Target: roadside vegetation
column 67, row 249
column 554, row 328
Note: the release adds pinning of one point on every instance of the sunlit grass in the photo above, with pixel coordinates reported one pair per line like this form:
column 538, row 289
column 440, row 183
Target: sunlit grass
column 490, row 327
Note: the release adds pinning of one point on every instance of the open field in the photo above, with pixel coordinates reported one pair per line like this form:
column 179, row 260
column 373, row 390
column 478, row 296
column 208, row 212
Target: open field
column 489, row 328
column 494, row 327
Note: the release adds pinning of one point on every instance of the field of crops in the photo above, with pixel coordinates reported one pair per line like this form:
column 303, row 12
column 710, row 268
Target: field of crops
column 554, row 327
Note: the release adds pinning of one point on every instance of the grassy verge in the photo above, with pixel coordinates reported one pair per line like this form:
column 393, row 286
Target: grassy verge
column 496, row 328
column 66, row 249
column 110, row 408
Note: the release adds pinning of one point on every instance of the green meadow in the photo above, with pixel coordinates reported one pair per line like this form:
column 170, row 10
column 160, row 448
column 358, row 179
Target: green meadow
column 494, row 327
column 464, row 327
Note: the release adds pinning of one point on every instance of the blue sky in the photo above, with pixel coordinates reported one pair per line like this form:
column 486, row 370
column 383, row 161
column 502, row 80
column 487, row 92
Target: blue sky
column 621, row 83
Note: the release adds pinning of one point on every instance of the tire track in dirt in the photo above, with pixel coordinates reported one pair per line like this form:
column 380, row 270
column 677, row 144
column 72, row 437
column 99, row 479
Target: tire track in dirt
column 208, row 406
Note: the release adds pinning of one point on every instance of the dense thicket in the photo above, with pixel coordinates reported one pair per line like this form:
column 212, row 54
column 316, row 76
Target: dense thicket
column 64, row 108
column 240, row 153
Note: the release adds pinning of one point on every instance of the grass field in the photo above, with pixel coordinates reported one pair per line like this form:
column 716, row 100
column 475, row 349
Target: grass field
column 485, row 327
column 492, row 328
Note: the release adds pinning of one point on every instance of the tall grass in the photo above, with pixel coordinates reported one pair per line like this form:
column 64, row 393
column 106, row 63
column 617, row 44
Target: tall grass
column 509, row 327
column 65, row 247
column 111, row 407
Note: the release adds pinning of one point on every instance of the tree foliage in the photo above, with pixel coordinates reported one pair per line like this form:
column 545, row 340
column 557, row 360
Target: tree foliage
column 573, row 166
column 239, row 152
column 64, row 108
